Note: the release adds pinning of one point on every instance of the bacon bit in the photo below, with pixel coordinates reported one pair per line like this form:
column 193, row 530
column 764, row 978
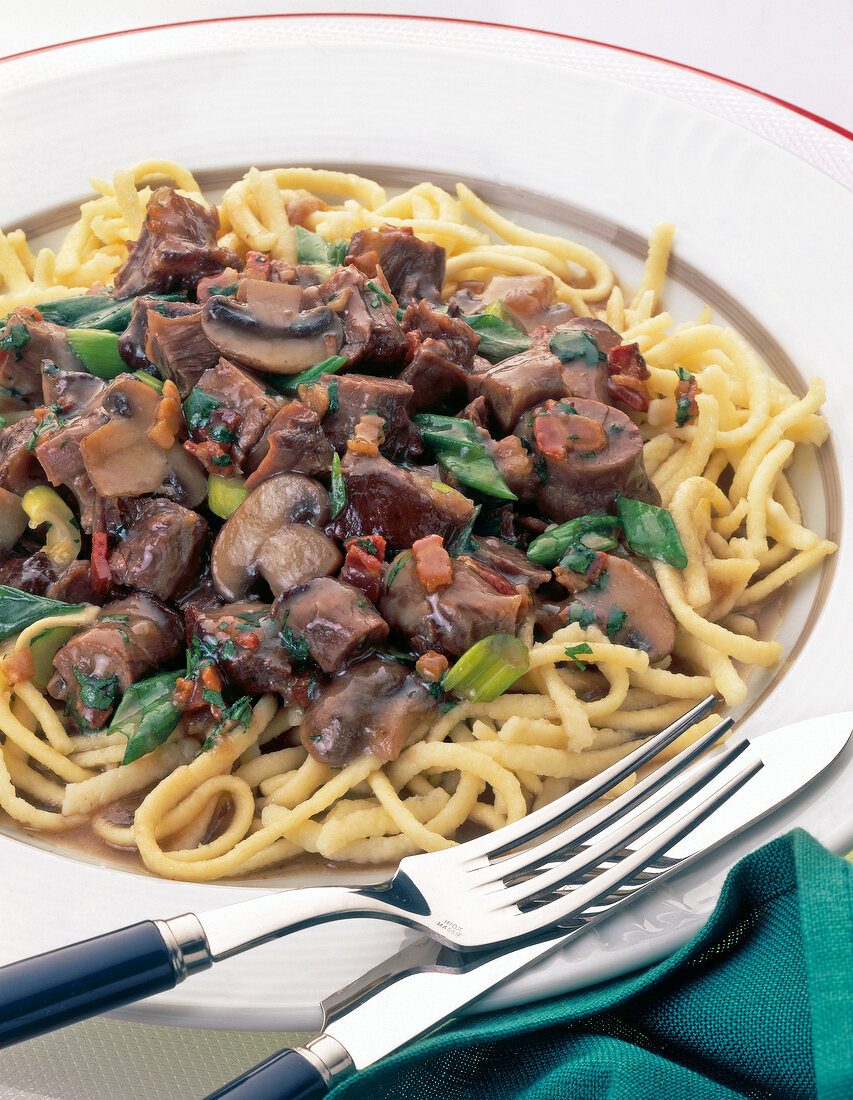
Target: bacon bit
column 19, row 666
column 210, row 678
column 363, row 569
column 578, row 582
column 187, row 695
column 366, row 262
column 316, row 397
column 300, row 690
column 557, row 432
column 224, row 278
column 630, row 391
column 492, row 577
column 551, row 433
column 100, row 573
column 685, row 400
column 628, row 373
column 368, row 435
column 167, row 422
column 432, row 561
column 540, row 333
column 586, row 435
column 431, row 666
column 413, row 342
column 207, row 452
column 257, row 266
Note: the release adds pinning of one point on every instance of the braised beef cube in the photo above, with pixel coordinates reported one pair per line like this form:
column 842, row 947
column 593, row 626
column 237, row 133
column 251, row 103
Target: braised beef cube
column 431, row 324
column 439, row 384
column 249, row 650
column 372, row 334
column 177, row 246
column 75, row 391
column 510, row 562
column 373, row 708
column 529, row 298
column 60, row 456
column 19, row 467
column 518, row 383
column 477, row 411
column 351, row 396
column 161, row 551
column 131, row 343
column 591, row 452
column 200, row 599
column 26, row 340
column 96, row 666
column 34, row 574
column 515, row 465
column 334, row 621
column 294, row 443
column 454, row 617
column 74, row 584
column 179, row 349
column 583, row 380
column 414, row 268
column 401, row 505
column 234, row 390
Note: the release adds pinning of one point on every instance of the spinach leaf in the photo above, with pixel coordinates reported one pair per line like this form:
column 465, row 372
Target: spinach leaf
column 311, row 248
column 97, row 692
column 458, row 444
column 568, row 346
column 18, row 610
column 498, row 340
column 146, row 715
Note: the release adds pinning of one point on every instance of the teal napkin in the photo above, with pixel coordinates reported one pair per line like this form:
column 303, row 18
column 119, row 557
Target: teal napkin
column 759, row 1004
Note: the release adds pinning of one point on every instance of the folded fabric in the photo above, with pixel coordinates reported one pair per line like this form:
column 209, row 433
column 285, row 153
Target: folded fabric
column 758, row 1004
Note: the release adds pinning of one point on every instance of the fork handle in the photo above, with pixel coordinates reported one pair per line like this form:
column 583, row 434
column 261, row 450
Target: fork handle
column 286, row 1075
column 60, row 987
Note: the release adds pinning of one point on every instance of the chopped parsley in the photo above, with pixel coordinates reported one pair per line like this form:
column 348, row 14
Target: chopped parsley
column 221, row 460
column 294, row 643
column 238, row 714
column 96, row 692
column 15, row 338
column 198, row 409
column 47, row 424
column 580, row 614
column 574, row 651
column 220, row 434
column 615, row 620
column 367, row 546
column 228, row 651
column 224, row 291
column 338, row 490
column 540, row 468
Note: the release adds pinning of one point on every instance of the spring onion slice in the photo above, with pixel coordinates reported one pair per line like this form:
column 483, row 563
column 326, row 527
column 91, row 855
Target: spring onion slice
column 488, row 668
column 291, row 383
column 225, row 495
column 98, row 351
column 551, row 545
column 338, row 492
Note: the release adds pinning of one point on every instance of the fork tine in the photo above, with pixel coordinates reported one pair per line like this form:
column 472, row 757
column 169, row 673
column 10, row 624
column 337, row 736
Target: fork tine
column 528, row 858
column 511, row 836
column 578, row 900
column 628, row 826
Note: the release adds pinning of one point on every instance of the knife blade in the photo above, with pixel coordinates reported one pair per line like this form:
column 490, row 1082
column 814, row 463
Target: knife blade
column 425, row 984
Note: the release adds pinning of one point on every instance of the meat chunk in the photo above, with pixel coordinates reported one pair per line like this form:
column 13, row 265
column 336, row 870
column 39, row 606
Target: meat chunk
column 401, row 505
column 442, row 354
column 131, row 343
column 130, row 637
column 529, row 298
column 414, row 268
column 351, row 396
column 74, row 584
column 19, row 467
column 510, row 562
column 372, row 334
column 430, row 324
column 294, row 442
column 334, row 621
column 590, row 453
column 582, row 378
column 34, row 574
column 179, row 349
column 161, row 551
column 26, row 340
column 454, row 617
column 248, row 645
column 374, row 708
column 74, row 391
column 233, row 390
column 61, row 457
column 176, row 247
column 520, row 382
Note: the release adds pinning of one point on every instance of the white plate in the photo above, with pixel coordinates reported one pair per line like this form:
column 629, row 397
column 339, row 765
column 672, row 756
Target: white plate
column 762, row 235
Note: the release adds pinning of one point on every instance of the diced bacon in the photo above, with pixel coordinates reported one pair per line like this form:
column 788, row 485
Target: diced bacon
column 433, row 563
column 101, row 574
column 628, row 375
column 431, row 666
column 19, row 666
column 362, row 567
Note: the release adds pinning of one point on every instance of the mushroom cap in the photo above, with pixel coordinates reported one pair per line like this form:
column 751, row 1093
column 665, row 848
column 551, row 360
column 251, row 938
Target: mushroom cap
column 13, row 519
column 284, row 512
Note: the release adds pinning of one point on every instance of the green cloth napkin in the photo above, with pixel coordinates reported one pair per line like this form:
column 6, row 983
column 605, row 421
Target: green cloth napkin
column 758, row 1004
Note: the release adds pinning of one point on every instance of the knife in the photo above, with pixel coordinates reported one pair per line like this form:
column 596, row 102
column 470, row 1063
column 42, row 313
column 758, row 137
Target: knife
column 425, row 984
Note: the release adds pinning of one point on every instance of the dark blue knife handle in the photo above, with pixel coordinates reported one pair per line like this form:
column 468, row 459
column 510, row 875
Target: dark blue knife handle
column 60, row 987
column 287, row 1075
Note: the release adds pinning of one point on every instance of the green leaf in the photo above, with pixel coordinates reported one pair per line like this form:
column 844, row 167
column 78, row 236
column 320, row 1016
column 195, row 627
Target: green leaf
column 574, row 652
column 311, row 248
column 488, row 668
column 569, row 346
column 615, row 620
column 97, row 350
column 15, row 338
column 146, row 716
column 198, row 408
column 18, row 610
column 338, row 492
column 551, row 545
column 459, row 446
column 499, row 310
column 291, row 383
column 97, row 692
column 498, row 340
column 651, row 532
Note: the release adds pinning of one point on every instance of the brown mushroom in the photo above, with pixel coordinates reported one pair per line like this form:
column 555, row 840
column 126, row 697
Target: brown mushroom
column 123, row 461
column 275, row 533
column 269, row 332
column 13, row 519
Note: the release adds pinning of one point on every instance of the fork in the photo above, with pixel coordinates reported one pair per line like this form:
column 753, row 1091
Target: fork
column 488, row 892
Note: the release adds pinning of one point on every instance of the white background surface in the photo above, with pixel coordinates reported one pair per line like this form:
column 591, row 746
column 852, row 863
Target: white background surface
column 769, row 45
column 801, row 53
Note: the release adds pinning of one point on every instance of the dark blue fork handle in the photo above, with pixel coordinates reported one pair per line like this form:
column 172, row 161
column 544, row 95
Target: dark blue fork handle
column 84, row 979
column 284, row 1076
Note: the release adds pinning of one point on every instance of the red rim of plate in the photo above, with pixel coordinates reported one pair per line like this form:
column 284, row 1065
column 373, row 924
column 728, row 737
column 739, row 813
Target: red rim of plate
column 826, row 123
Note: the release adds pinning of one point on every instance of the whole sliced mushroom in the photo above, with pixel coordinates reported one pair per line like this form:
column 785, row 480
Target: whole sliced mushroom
column 13, row 519
column 268, row 332
column 122, row 461
column 275, row 533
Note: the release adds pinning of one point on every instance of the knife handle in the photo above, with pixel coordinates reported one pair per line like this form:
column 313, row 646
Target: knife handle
column 286, row 1075
column 60, row 987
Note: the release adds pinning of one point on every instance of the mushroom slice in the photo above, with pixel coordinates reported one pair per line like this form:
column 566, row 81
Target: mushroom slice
column 296, row 554
column 122, row 461
column 13, row 519
column 268, row 336
column 282, row 501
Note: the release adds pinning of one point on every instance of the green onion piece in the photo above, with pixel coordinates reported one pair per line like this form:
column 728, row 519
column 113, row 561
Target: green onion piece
column 44, row 648
column 290, row 383
column 459, row 446
column 651, row 532
column 488, row 668
column 383, row 294
column 18, row 610
column 551, row 545
column 146, row 715
column 225, row 495
column 499, row 310
column 498, row 340
column 149, row 380
column 311, row 248
column 568, row 346
column 396, row 566
column 98, row 351
column 338, row 491
column 68, row 311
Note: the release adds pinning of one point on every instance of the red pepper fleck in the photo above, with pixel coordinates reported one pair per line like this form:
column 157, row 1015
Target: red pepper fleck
column 99, row 568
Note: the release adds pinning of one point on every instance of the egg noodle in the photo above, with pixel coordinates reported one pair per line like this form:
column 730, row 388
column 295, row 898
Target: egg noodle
column 722, row 476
